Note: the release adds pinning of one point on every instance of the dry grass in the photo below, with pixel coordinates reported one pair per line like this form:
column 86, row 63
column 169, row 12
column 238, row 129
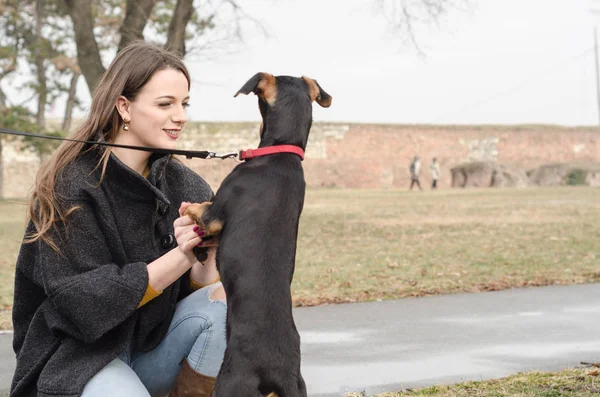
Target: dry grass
column 578, row 382
column 12, row 225
column 357, row 245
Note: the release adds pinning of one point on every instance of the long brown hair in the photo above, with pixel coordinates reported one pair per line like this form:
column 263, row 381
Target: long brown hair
column 128, row 73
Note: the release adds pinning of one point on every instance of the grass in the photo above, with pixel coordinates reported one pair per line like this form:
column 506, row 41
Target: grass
column 357, row 245
column 579, row 382
column 12, row 225
column 361, row 245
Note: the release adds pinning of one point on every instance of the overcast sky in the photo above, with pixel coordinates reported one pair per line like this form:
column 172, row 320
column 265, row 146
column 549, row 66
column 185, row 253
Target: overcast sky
column 502, row 62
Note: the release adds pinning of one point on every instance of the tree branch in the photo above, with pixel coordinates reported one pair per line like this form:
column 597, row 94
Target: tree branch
column 42, row 86
column 137, row 13
column 181, row 17
column 88, row 53
column 405, row 16
column 71, row 100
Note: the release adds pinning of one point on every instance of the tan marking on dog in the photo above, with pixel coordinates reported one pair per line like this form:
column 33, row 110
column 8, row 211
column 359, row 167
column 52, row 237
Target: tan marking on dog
column 313, row 89
column 272, row 395
column 268, row 88
column 196, row 212
column 324, row 102
column 213, row 228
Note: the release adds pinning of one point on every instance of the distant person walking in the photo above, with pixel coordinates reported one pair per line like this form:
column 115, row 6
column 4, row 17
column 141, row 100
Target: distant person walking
column 415, row 172
column 435, row 172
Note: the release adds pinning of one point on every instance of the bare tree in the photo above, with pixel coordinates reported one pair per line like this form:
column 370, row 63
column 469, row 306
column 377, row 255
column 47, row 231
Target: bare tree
column 94, row 27
column 176, row 21
column 181, row 17
column 137, row 14
column 68, row 65
column 88, row 53
column 34, row 44
column 8, row 65
column 71, row 101
column 39, row 62
column 405, row 16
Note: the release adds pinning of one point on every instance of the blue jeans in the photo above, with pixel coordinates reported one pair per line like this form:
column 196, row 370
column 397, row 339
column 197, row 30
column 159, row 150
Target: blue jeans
column 196, row 332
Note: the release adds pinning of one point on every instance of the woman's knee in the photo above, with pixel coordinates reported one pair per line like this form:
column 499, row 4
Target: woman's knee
column 218, row 293
column 116, row 378
column 204, row 308
column 216, row 311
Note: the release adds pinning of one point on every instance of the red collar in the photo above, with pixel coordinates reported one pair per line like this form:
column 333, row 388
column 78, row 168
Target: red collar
column 250, row 153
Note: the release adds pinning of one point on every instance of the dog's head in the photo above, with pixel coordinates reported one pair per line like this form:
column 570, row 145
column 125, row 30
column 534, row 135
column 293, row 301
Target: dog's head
column 285, row 105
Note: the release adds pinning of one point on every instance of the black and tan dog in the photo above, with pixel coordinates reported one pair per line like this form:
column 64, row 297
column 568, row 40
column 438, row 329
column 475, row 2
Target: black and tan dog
column 256, row 212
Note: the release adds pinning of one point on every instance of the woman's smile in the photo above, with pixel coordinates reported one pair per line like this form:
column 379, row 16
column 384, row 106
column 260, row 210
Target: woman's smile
column 173, row 133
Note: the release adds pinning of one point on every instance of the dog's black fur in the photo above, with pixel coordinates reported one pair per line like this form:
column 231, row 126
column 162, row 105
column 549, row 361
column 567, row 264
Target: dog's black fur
column 256, row 211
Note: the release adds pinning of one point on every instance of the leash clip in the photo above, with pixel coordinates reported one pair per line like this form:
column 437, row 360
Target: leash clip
column 223, row 156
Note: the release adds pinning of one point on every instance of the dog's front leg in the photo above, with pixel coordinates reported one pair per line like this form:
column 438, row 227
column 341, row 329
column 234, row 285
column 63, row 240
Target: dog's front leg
column 205, row 216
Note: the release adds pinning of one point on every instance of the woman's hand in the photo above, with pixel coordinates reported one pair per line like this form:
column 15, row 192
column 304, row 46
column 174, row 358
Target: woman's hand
column 187, row 238
column 205, row 272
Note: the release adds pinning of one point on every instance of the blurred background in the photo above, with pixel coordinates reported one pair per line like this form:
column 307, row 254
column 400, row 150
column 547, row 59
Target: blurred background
column 504, row 94
column 385, row 61
column 450, row 76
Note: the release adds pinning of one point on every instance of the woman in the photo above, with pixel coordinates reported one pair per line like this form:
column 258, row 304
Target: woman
column 110, row 299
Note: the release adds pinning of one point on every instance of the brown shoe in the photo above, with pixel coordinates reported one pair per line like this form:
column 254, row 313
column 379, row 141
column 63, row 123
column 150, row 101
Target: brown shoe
column 191, row 383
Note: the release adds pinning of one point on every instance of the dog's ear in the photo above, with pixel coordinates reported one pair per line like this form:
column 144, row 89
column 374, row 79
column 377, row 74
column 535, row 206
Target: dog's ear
column 250, row 86
column 263, row 85
column 317, row 93
column 324, row 99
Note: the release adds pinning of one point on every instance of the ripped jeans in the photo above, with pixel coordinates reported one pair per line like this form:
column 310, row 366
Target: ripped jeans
column 196, row 332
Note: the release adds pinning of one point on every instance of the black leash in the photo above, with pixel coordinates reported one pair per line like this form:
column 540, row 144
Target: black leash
column 204, row 154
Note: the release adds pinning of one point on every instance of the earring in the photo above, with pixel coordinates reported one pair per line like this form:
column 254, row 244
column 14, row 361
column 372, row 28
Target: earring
column 126, row 124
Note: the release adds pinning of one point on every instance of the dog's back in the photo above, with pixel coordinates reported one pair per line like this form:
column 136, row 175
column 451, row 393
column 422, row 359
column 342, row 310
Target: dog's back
column 258, row 206
column 256, row 260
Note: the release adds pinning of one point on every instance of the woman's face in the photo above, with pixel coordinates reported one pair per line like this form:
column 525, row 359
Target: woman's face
column 158, row 113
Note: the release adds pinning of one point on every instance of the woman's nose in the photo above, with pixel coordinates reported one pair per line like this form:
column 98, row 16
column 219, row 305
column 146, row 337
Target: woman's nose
column 180, row 116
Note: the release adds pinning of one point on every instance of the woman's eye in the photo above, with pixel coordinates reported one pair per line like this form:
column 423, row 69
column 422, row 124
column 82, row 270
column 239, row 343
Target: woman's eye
column 164, row 104
column 186, row 105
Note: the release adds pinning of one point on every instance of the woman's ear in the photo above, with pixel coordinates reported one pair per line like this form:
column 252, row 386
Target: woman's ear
column 123, row 106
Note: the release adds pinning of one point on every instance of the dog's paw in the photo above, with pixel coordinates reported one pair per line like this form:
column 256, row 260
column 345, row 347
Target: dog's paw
column 211, row 227
column 197, row 211
column 201, row 254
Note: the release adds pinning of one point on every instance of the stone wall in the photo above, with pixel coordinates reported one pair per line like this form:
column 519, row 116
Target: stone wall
column 367, row 156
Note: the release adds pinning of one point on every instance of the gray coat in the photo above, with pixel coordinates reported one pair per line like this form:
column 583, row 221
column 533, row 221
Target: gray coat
column 74, row 312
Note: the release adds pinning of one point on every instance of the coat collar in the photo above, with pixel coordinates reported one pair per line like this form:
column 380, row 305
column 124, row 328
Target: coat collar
column 121, row 176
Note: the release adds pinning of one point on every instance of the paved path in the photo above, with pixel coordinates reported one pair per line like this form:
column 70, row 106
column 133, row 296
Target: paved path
column 386, row 346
